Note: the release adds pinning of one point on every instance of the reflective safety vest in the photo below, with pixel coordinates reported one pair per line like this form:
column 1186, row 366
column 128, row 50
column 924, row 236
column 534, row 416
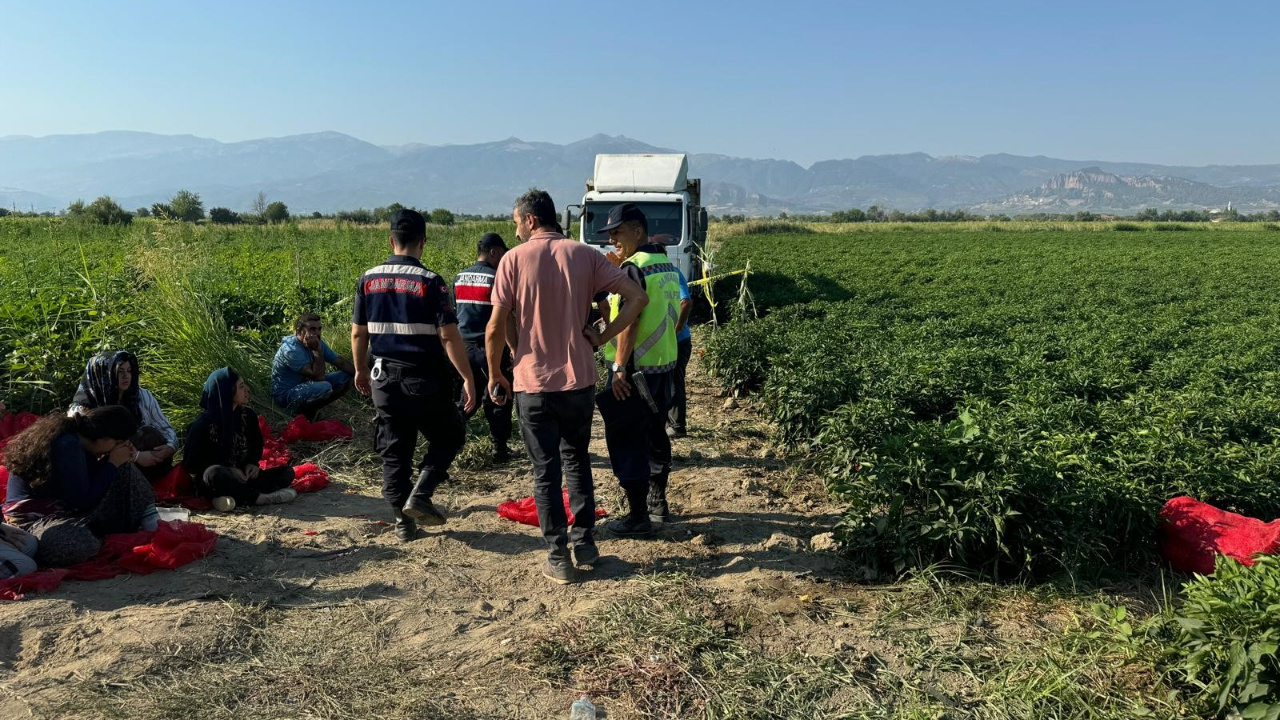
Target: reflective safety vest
column 655, row 349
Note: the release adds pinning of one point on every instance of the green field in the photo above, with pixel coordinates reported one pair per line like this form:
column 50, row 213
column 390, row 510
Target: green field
column 1017, row 401
column 987, row 403
column 186, row 298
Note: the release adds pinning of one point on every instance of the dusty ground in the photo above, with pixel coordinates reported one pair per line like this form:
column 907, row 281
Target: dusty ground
column 460, row 602
column 348, row 622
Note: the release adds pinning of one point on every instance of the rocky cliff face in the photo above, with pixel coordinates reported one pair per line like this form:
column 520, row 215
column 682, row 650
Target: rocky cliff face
column 1096, row 190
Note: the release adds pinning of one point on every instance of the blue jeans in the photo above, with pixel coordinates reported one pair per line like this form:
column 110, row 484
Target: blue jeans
column 312, row 391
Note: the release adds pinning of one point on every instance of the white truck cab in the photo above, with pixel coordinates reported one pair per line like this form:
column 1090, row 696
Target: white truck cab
column 659, row 185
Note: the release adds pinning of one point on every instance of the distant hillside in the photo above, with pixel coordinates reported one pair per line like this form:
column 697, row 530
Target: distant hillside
column 1095, row 190
column 330, row 171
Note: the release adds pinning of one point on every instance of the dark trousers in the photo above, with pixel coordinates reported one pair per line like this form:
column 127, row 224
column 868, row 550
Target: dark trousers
column 498, row 416
column 409, row 404
column 679, row 400
column 556, row 427
column 70, row 539
column 639, row 448
column 220, row 480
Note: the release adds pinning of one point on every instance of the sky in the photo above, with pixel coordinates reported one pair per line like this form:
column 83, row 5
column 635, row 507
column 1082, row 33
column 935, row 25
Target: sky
column 1168, row 82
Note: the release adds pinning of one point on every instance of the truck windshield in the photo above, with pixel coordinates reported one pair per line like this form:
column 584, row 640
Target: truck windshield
column 665, row 221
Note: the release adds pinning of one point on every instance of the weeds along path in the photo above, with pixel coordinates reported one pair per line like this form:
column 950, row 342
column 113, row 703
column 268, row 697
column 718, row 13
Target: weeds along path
column 315, row 610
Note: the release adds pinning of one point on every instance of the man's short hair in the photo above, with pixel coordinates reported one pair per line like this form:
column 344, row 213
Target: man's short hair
column 408, row 228
column 539, row 204
column 490, row 241
column 303, row 319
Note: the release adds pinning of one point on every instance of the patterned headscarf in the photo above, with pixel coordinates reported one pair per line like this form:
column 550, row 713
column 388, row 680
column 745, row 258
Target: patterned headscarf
column 99, row 386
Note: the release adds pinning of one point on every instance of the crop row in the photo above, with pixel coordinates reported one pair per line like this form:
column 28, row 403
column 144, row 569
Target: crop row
column 1016, row 402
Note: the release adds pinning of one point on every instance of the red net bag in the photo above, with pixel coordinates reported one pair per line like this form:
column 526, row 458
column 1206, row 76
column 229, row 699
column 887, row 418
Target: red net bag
column 1195, row 533
column 525, row 511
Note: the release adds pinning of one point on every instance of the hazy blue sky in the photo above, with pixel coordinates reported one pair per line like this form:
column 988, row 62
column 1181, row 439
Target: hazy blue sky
column 1169, row 81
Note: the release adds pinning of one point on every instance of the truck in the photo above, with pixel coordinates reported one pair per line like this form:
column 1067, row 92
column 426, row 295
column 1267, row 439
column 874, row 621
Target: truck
column 659, row 184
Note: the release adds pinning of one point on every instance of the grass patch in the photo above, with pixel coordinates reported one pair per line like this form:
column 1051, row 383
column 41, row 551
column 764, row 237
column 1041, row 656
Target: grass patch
column 330, row 663
column 1127, row 227
column 930, row 647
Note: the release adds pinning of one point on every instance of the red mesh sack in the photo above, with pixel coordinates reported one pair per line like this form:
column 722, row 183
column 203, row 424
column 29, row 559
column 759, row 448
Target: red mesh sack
column 176, row 484
column 1195, row 533
column 300, row 428
column 4, row 482
column 38, row 581
column 525, row 511
column 173, row 545
column 274, row 452
column 309, row 478
column 13, row 423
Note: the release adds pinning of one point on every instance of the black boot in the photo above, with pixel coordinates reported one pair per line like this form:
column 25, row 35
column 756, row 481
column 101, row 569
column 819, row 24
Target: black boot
column 636, row 523
column 406, row 528
column 659, row 511
column 419, row 506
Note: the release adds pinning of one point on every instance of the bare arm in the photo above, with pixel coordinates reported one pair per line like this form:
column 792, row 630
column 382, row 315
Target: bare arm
column 314, row 371
column 685, row 307
column 360, row 353
column 345, row 365
column 495, row 340
column 457, row 351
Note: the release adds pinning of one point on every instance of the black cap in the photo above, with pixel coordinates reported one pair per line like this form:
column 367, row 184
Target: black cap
column 491, row 241
column 408, row 224
column 619, row 214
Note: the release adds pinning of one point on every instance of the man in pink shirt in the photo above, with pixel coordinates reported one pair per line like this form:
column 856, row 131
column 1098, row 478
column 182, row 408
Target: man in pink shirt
column 546, row 285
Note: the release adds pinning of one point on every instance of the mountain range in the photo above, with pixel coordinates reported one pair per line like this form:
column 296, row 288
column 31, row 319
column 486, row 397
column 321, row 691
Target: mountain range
column 330, row 171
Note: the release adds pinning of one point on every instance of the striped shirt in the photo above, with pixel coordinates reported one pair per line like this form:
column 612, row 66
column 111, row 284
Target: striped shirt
column 404, row 305
column 152, row 416
column 473, row 291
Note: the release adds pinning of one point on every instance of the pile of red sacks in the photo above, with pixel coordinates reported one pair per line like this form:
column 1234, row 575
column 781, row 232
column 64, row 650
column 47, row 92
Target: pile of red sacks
column 172, row 545
column 1196, row 533
column 176, row 486
column 526, row 512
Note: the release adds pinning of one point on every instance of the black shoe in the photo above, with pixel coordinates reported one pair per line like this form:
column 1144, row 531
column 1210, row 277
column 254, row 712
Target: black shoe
column 501, row 456
column 424, row 512
column 585, row 553
column 675, row 432
column 631, row 526
column 559, row 572
column 659, row 511
column 406, row 528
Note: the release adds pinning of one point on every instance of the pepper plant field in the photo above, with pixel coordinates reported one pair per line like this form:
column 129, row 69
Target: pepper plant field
column 1016, row 401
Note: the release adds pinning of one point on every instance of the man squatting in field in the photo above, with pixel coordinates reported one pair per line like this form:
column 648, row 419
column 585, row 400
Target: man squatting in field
column 547, row 283
column 403, row 322
column 641, row 363
column 472, row 293
column 299, row 383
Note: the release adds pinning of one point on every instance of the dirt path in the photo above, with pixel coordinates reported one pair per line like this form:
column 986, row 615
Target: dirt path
column 320, row 598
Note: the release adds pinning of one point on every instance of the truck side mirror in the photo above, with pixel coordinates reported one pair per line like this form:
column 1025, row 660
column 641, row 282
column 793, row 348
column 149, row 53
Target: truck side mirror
column 567, row 215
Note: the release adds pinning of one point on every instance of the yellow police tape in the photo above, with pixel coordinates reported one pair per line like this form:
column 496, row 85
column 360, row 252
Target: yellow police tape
column 714, row 278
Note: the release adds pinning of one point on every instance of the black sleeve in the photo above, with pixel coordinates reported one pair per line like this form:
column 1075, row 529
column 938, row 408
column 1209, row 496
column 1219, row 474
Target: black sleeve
column 252, row 437
column 199, row 452
column 440, row 304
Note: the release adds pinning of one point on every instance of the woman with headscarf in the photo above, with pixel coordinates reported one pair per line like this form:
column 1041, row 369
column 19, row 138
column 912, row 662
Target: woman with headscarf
column 224, row 447
column 71, row 482
column 111, row 378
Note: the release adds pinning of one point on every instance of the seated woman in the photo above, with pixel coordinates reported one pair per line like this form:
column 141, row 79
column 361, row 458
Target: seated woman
column 224, row 446
column 71, row 483
column 111, row 378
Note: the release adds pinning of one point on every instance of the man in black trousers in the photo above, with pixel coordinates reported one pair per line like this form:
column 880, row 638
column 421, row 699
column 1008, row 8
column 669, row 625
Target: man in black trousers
column 404, row 336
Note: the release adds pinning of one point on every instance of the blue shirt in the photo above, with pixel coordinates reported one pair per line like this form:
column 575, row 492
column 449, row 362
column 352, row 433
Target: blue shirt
column 684, row 333
column 404, row 305
column 290, row 359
